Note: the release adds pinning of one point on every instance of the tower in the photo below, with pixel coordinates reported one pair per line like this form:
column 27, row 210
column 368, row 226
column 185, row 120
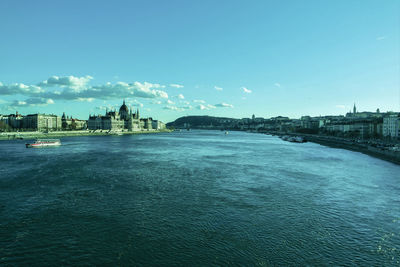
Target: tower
column 354, row 109
column 64, row 123
column 123, row 111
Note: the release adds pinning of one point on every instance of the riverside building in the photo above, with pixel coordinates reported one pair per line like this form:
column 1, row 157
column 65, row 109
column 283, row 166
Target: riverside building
column 32, row 122
column 391, row 125
column 123, row 120
column 69, row 123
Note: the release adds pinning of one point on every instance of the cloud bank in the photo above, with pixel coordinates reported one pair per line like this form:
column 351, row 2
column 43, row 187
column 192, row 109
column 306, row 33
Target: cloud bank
column 79, row 89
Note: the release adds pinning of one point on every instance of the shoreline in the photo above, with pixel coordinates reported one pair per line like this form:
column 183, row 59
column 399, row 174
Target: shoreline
column 60, row 134
column 387, row 155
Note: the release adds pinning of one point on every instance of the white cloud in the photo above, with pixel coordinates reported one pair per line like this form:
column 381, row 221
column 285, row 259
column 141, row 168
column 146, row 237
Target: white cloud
column 205, row 107
column 187, row 107
column 78, row 89
column 277, row 84
column 34, row 101
column 20, row 89
column 224, row 105
column 176, row 85
column 202, row 107
column 82, row 99
column 77, row 83
column 170, row 102
column 108, row 107
column 173, row 108
column 218, row 88
column 145, row 90
column 120, row 90
column 135, row 103
column 19, row 103
column 158, row 102
column 380, row 38
column 180, row 96
column 199, row 101
column 246, row 90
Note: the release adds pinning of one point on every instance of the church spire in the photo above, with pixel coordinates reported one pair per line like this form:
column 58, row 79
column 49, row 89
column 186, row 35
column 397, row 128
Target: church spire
column 354, row 108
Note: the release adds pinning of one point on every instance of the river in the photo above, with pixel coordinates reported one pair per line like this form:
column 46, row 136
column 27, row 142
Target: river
column 196, row 198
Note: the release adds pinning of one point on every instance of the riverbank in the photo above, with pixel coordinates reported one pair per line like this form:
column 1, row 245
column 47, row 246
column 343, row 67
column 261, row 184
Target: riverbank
column 61, row 134
column 365, row 148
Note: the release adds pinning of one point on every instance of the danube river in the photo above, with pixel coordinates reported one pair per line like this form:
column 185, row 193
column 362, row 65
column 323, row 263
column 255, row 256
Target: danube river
column 196, row 198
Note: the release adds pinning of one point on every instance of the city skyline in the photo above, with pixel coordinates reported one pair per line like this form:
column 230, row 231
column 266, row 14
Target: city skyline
column 174, row 59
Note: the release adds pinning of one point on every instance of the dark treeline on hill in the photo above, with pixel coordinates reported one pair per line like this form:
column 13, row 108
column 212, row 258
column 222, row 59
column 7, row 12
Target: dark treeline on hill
column 201, row 122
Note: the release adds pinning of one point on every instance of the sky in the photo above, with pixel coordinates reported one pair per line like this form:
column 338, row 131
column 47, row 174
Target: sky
column 219, row 58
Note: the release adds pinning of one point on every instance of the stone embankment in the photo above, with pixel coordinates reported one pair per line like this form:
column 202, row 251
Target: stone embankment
column 379, row 149
column 379, row 152
column 61, row 134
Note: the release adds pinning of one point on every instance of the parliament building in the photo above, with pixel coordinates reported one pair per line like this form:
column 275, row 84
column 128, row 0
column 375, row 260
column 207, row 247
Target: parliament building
column 123, row 120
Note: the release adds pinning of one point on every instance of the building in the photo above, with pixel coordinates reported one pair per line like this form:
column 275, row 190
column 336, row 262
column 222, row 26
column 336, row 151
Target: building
column 15, row 121
column 68, row 123
column 31, row 122
column 391, row 125
column 41, row 122
column 157, row 125
column 123, row 120
column 308, row 122
column 364, row 114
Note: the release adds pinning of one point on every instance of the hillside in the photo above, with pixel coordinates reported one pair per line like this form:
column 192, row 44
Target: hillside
column 201, row 122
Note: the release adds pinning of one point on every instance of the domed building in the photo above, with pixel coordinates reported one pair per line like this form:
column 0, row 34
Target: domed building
column 124, row 111
column 116, row 121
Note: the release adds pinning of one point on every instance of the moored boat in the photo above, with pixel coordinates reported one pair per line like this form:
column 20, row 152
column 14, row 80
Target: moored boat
column 294, row 139
column 44, row 143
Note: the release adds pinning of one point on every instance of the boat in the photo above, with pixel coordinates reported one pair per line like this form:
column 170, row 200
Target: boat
column 285, row 138
column 44, row 143
column 294, row 139
column 226, row 132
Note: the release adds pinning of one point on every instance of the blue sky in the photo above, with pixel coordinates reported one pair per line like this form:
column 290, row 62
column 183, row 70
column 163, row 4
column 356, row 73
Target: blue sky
column 220, row 58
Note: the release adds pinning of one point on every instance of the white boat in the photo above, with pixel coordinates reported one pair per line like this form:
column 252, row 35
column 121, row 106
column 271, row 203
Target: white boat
column 44, row 143
column 296, row 139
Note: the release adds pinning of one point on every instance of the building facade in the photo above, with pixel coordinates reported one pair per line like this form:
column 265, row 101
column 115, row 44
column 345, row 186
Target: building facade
column 391, row 125
column 123, row 120
column 42, row 122
column 69, row 123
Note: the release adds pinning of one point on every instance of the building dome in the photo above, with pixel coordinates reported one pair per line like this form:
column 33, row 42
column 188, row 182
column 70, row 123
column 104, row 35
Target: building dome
column 124, row 109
